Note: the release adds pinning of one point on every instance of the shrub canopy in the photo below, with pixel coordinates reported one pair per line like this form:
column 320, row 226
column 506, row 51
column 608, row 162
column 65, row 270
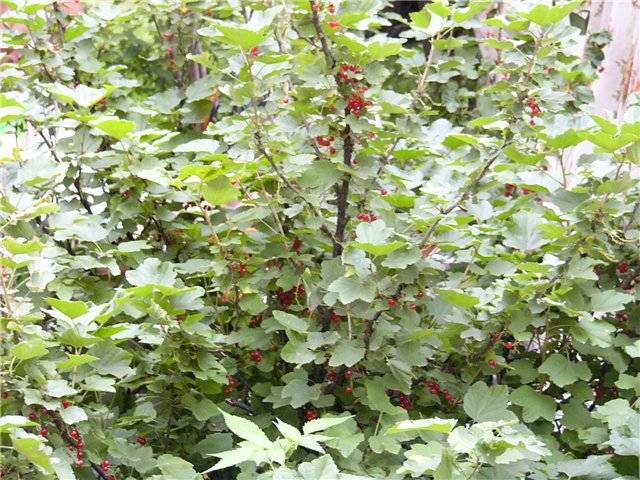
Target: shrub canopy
column 296, row 240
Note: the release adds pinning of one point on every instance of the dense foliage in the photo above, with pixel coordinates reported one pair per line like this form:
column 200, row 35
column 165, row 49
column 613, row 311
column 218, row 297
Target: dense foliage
column 314, row 241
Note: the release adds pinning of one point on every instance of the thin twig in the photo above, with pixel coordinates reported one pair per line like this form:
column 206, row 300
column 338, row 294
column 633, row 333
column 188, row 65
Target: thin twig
column 282, row 176
column 427, row 67
column 76, row 181
column 471, row 189
column 315, row 18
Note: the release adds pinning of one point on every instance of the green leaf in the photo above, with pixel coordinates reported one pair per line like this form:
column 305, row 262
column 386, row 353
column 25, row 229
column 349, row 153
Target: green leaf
column 487, row 404
column 547, row 14
column 290, row 321
column 458, row 298
column 34, row 450
column 75, row 361
column 152, row 272
column 204, row 409
column 252, row 303
column 458, row 140
column 9, row 422
column 377, row 398
column 564, row 372
column 346, row 353
column 523, row 158
column 609, row 301
column 320, row 424
column 114, row 126
column 233, row 457
column 219, row 191
column 379, row 50
column 245, row 429
column 22, row 248
column 535, row 404
column 374, row 233
column 69, row 308
column 26, row 350
column 595, row 332
column 73, row 414
column 295, row 351
column 235, row 35
column 202, row 145
column 525, row 233
column 350, row 289
column 87, row 96
column 378, row 250
column 442, row 425
column 321, row 468
column 59, row 389
column 176, row 468
column 134, row 246
column 74, row 31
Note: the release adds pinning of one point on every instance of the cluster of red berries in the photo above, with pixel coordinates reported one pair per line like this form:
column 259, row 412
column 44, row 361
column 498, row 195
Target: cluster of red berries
column 170, row 53
column 367, row 217
column 287, row 297
column 622, row 267
column 357, row 105
column 510, row 189
column 232, row 383
column 347, row 72
column 256, row 356
column 79, row 446
column 532, row 103
column 240, row 267
column 434, row 388
column 405, row 402
column 326, row 142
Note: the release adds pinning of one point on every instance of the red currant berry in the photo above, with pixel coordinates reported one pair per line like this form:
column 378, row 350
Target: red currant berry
column 105, row 464
column 623, row 267
column 348, row 373
column 508, row 345
column 492, row 363
column 141, row 440
column 392, row 302
column 256, row 356
column 66, row 403
column 348, row 389
column 311, row 414
column 44, row 432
